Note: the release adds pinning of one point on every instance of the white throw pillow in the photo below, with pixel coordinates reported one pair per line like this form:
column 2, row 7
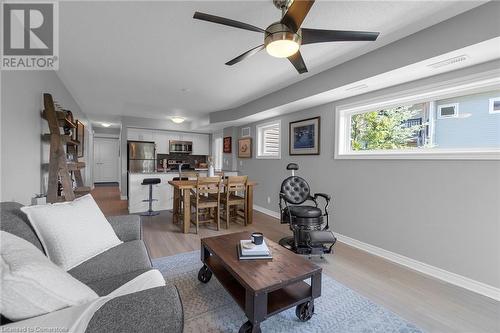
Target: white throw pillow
column 32, row 285
column 72, row 232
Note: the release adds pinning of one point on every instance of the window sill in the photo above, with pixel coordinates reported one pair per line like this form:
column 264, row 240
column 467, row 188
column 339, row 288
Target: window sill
column 493, row 154
column 268, row 157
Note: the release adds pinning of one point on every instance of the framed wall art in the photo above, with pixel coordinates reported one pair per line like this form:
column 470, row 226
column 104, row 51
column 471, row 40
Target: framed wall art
column 245, row 148
column 304, row 137
column 227, row 145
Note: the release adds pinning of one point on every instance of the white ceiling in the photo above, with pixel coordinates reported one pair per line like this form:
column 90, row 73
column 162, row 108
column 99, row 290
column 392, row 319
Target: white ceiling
column 151, row 59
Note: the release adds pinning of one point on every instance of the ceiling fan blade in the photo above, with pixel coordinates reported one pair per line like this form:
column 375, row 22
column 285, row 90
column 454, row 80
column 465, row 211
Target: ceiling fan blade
column 296, row 14
column 298, row 62
column 245, row 55
column 310, row 36
column 226, row 21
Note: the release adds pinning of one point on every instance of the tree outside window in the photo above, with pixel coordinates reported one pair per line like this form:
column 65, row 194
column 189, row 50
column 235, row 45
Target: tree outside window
column 393, row 128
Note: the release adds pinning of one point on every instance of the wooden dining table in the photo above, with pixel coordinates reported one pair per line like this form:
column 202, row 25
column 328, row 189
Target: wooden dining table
column 185, row 186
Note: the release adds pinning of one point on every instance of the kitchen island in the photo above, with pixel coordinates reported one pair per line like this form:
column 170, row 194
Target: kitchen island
column 162, row 192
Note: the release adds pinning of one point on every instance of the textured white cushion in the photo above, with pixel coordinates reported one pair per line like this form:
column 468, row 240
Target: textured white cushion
column 72, row 232
column 32, row 285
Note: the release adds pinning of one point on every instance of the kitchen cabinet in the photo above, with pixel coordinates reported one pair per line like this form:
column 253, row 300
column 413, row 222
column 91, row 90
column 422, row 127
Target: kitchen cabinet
column 201, row 144
column 137, row 134
column 161, row 139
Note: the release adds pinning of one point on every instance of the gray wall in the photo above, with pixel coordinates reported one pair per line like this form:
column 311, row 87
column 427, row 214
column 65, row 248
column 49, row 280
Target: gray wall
column 115, row 131
column 444, row 213
column 22, row 151
column 229, row 160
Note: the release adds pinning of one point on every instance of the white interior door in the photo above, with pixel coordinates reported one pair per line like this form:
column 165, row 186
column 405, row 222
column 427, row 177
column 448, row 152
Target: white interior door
column 106, row 155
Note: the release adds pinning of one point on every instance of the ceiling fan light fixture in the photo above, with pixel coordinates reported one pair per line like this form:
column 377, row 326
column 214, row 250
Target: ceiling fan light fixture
column 280, row 41
column 177, row 120
column 282, row 48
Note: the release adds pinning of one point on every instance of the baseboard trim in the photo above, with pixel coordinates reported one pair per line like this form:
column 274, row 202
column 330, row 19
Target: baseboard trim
column 433, row 271
column 266, row 211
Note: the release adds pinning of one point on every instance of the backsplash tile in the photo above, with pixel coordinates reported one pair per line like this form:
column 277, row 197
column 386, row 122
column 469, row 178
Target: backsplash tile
column 192, row 160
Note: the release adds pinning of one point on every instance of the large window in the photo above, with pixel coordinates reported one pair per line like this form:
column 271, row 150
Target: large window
column 455, row 122
column 268, row 140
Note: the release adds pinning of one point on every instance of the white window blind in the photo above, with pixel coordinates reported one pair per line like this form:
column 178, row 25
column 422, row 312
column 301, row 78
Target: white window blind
column 268, row 140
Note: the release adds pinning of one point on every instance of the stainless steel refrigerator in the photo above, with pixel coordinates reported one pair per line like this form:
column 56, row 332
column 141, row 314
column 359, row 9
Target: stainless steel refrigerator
column 141, row 156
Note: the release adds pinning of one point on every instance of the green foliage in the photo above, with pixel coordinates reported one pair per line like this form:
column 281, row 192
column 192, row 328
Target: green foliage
column 384, row 129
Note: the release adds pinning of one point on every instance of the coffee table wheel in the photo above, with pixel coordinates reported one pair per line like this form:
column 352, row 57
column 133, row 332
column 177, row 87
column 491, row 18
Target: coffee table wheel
column 204, row 275
column 305, row 311
column 249, row 328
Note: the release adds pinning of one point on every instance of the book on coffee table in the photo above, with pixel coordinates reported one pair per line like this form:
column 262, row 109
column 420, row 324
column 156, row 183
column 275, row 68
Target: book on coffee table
column 257, row 252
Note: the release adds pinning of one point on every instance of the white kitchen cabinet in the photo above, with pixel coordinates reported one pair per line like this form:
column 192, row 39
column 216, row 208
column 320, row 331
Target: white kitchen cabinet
column 137, row 134
column 161, row 139
column 201, row 144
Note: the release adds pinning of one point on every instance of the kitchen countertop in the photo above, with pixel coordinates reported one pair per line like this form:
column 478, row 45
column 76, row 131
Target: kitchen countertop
column 172, row 172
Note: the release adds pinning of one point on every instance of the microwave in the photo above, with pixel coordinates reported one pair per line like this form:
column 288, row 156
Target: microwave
column 184, row 147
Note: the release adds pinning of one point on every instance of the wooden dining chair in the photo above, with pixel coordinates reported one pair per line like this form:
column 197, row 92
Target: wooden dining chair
column 235, row 196
column 206, row 198
column 178, row 207
column 191, row 175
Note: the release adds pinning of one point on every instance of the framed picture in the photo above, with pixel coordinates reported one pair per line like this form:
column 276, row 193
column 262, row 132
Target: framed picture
column 304, row 137
column 80, row 136
column 245, row 148
column 227, row 145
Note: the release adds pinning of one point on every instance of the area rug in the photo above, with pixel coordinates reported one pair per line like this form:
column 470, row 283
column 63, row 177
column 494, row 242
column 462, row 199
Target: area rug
column 209, row 308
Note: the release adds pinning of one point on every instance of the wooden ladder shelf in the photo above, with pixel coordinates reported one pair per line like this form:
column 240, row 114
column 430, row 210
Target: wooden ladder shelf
column 59, row 166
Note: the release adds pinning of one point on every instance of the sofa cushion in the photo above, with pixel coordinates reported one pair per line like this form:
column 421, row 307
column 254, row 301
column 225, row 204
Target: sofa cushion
column 124, row 258
column 32, row 285
column 152, row 310
column 105, row 286
column 14, row 221
column 72, row 232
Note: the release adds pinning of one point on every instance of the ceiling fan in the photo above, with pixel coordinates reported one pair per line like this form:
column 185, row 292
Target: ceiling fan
column 283, row 39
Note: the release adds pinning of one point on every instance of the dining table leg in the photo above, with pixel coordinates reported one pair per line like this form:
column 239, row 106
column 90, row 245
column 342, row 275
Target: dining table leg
column 187, row 211
column 249, row 205
column 176, row 204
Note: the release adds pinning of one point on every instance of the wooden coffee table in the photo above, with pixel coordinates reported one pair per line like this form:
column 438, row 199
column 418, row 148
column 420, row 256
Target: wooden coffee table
column 262, row 287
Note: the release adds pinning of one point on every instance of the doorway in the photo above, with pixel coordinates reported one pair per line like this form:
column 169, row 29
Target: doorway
column 106, row 160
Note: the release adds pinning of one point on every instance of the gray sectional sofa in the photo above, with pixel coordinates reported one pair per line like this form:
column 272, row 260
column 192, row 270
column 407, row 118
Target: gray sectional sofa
column 152, row 310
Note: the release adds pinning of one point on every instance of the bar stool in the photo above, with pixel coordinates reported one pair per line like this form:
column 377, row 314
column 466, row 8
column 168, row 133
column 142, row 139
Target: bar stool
column 150, row 182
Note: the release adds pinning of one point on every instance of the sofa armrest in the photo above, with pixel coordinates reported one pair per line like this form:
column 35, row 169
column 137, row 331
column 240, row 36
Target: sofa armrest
column 126, row 227
column 152, row 310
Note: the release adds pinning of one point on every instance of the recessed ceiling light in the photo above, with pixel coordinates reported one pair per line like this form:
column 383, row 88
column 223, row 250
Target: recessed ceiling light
column 177, row 120
column 105, row 124
column 450, row 61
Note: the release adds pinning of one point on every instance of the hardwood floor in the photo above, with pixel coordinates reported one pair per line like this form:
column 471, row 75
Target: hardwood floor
column 431, row 304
